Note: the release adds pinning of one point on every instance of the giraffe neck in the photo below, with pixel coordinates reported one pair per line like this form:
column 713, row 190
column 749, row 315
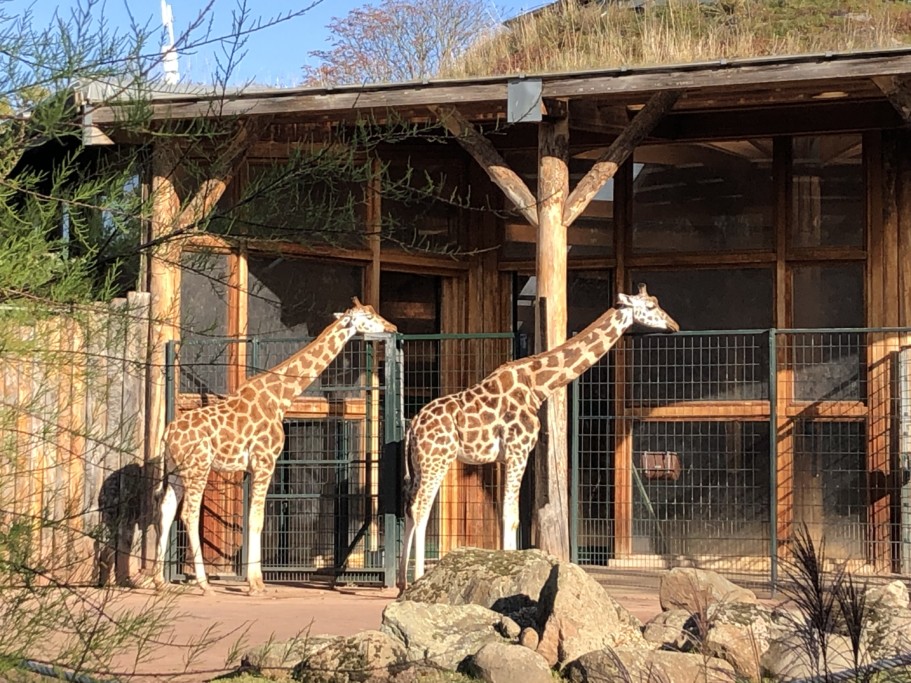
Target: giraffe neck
column 284, row 382
column 561, row 365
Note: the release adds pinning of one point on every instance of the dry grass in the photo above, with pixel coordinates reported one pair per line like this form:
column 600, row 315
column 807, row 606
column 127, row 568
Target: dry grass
column 575, row 35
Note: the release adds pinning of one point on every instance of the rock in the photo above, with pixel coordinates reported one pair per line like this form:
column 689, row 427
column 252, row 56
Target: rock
column 529, row 638
column 891, row 595
column 631, row 664
column 739, row 633
column 792, row 657
column 696, row 589
column 576, row 615
column 366, row 656
column 675, row 629
column 509, row 629
column 503, row 663
column 278, row 658
column 887, row 631
column 423, row 673
column 506, row 581
column 441, row 635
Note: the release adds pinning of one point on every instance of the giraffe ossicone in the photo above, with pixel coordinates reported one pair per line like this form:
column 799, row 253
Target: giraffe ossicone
column 496, row 420
column 244, row 433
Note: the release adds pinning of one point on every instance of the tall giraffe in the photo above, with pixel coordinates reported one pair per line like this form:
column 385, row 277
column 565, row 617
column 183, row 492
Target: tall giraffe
column 244, row 433
column 496, row 420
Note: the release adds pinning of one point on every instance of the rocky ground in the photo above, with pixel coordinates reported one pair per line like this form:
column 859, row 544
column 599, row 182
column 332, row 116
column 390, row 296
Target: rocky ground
column 524, row 616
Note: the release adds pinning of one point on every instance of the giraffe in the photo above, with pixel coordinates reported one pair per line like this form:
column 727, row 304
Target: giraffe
column 496, row 420
column 244, row 433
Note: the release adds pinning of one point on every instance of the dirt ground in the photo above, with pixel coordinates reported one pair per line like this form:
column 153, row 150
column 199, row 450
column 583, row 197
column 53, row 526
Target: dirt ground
column 240, row 622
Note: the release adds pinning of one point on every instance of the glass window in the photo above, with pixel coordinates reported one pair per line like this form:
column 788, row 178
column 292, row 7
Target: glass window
column 827, row 365
column 292, row 300
column 699, row 197
column 713, row 298
column 292, row 203
column 589, row 293
column 719, row 505
column 422, row 203
column 827, row 192
column 204, row 322
column 830, row 485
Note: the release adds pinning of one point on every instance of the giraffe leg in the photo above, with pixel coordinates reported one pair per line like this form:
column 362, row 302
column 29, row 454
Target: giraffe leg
column 258, row 489
column 515, row 468
column 191, row 507
column 170, row 500
column 417, row 515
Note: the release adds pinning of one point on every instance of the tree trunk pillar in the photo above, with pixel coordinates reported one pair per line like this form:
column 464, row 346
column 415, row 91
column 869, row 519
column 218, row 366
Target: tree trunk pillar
column 551, row 490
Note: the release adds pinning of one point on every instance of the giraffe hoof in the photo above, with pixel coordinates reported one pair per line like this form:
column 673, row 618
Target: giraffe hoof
column 206, row 589
column 256, row 588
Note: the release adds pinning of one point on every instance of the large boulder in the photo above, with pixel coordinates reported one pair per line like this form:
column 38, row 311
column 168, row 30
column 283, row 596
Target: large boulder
column 796, row 657
column 738, row 633
column 365, row 656
column 504, row 581
column 504, row 663
column 893, row 595
column 277, row 658
column 576, row 615
column 443, row 635
column 695, row 590
column 632, row 664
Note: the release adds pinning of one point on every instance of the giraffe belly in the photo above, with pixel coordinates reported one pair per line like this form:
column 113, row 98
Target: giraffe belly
column 491, row 450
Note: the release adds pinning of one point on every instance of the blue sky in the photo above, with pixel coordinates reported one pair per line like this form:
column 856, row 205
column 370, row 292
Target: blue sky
column 274, row 56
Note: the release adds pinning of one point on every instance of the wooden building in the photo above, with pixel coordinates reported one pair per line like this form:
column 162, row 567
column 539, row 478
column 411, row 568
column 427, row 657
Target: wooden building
column 750, row 195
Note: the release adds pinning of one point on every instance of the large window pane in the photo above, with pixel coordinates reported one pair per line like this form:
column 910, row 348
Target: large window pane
column 702, row 197
column 720, row 503
column 713, row 298
column 294, row 300
column 827, row 365
column 422, row 203
column 827, row 192
column 293, row 203
column 204, row 322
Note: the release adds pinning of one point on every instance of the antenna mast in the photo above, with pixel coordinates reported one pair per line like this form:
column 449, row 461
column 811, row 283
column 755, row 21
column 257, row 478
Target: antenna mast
column 168, row 54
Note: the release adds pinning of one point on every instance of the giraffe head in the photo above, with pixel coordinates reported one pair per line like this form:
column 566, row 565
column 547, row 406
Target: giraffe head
column 646, row 311
column 364, row 320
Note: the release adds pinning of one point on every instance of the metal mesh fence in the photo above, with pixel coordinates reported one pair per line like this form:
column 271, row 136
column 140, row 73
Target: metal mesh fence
column 321, row 516
column 467, row 510
column 674, row 462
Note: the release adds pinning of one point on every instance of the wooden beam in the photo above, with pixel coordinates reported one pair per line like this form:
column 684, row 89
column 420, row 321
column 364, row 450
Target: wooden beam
column 483, row 151
column 551, row 491
column 897, row 90
column 606, row 166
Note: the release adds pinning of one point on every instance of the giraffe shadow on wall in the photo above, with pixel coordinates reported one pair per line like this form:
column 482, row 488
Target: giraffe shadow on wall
column 120, row 507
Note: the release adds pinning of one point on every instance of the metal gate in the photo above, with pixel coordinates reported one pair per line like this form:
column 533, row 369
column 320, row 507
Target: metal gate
column 324, row 518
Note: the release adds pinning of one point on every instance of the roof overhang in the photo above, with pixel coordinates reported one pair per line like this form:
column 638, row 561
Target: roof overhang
column 709, row 86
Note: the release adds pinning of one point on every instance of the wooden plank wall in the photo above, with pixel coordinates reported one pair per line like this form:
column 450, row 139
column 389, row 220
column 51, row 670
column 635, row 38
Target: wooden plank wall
column 72, row 416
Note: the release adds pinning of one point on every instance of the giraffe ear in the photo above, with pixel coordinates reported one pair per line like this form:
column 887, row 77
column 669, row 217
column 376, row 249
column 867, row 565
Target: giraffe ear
column 624, row 299
column 642, row 290
column 338, row 315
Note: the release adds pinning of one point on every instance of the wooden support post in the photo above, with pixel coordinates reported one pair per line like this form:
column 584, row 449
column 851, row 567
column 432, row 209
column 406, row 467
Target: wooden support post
column 623, row 432
column 551, row 492
column 783, row 429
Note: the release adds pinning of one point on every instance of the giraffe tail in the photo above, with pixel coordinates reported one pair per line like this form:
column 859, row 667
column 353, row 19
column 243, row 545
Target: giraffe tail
column 409, row 466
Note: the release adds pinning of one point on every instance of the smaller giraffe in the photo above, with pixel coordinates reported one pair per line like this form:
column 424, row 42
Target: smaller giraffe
column 244, row 433
column 496, row 420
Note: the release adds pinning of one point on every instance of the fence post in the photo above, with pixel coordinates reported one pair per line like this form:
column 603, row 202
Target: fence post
column 773, row 459
column 575, row 419
column 393, row 419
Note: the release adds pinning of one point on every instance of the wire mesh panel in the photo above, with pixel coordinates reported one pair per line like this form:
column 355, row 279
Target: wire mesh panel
column 671, row 452
column 467, row 509
column 716, row 449
column 321, row 515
